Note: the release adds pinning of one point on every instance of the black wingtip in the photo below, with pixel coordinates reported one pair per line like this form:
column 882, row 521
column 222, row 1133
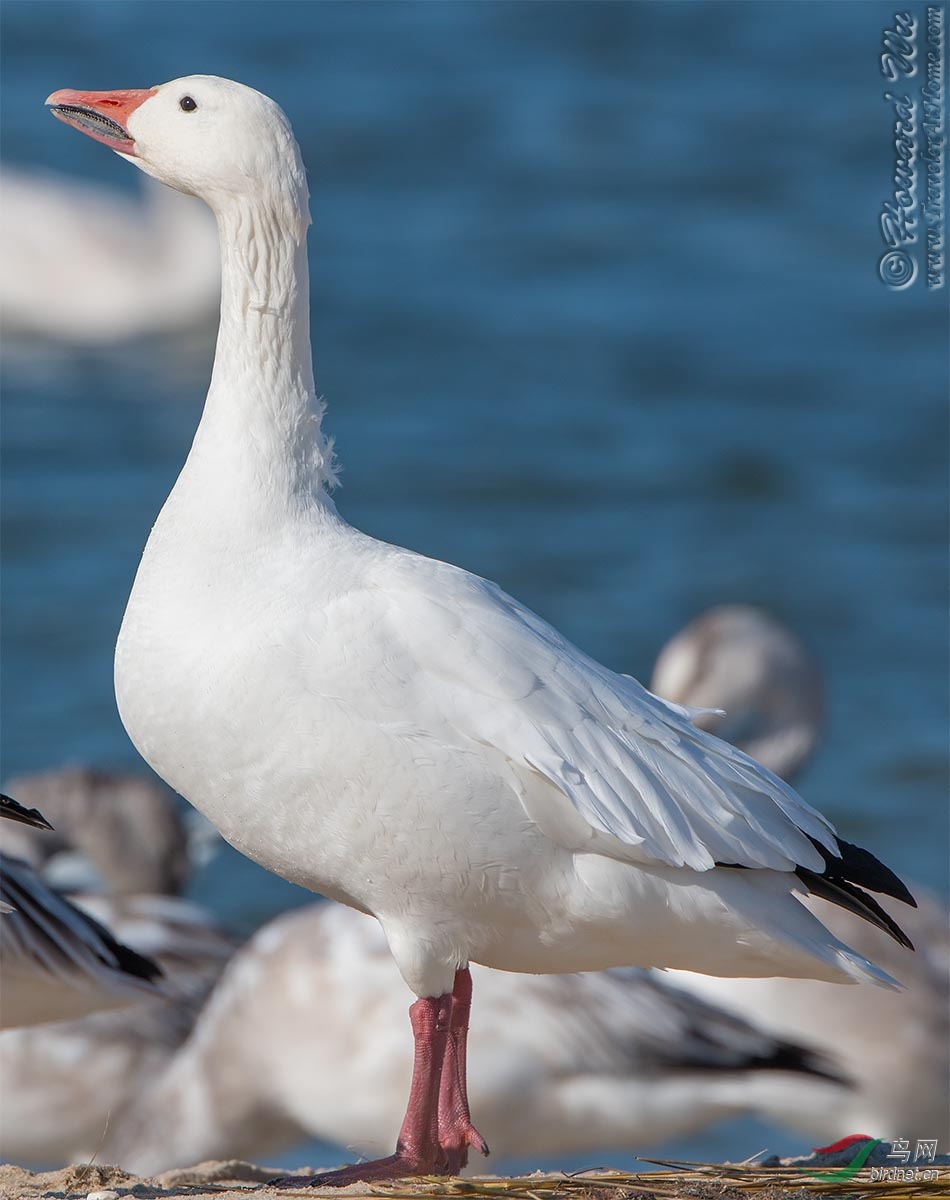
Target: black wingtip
column 847, row 895
column 845, row 878
column 127, row 960
column 13, row 811
column 799, row 1060
column 135, row 964
column 861, row 867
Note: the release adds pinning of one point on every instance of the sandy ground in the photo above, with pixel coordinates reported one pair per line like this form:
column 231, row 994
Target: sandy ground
column 229, row 1180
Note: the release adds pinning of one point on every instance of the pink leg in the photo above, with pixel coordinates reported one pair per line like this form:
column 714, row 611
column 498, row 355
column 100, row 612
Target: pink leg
column 456, row 1131
column 417, row 1149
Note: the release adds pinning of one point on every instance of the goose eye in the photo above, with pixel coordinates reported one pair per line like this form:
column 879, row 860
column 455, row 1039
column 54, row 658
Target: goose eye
column 187, row 104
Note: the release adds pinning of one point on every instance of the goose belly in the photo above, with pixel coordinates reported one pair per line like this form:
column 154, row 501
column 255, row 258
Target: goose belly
column 299, row 782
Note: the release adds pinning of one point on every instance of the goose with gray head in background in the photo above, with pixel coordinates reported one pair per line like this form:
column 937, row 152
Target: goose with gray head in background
column 114, row 832
column 757, row 677
column 50, row 1113
column 399, row 734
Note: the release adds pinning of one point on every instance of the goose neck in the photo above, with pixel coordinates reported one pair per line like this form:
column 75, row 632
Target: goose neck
column 264, row 335
column 262, row 416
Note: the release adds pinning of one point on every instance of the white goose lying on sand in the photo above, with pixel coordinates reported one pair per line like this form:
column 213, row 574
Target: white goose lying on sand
column 54, row 1111
column 401, row 735
column 112, row 830
column 56, row 962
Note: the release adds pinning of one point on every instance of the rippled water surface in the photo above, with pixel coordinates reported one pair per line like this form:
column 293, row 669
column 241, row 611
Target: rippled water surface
column 596, row 314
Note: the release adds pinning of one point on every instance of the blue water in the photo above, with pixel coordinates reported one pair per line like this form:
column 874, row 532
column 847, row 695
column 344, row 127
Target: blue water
column 596, row 313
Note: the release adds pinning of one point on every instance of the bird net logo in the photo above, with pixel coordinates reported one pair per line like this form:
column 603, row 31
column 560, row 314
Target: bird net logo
column 863, row 1146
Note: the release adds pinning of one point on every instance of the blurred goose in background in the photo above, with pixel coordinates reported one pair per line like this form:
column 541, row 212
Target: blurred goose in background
column 114, row 832
column 21, row 815
column 895, row 1046
column 758, row 673
column 303, row 1037
column 272, row 1059
column 63, row 1079
column 57, row 962
column 64, row 1082
column 88, row 264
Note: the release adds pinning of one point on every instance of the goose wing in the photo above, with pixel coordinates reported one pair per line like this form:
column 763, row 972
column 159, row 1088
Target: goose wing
column 633, row 778
column 56, row 960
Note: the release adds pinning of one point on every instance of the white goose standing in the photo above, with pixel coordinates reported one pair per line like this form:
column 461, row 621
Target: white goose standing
column 396, row 733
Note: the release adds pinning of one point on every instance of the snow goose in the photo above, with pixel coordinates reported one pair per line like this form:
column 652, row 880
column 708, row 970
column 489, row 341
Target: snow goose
column 397, row 733
column 114, row 833
column 50, row 1112
column 88, row 265
column 67, row 1082
column 893, row 1046
column 742, row 660
column 56, row 961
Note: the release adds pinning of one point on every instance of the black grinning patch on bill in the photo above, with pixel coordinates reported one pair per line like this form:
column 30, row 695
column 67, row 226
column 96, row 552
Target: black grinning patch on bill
column 92, row 120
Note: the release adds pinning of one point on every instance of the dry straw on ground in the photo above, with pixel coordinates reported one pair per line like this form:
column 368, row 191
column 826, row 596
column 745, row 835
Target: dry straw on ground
column 674, row 1181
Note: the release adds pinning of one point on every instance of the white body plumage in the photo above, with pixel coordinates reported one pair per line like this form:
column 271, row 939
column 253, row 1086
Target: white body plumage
column 390, row 730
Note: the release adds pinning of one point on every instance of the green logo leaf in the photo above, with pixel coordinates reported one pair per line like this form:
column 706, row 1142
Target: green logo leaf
column 848, row 1172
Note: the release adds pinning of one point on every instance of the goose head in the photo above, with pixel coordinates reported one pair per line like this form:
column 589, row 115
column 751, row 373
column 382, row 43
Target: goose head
column 210, row 137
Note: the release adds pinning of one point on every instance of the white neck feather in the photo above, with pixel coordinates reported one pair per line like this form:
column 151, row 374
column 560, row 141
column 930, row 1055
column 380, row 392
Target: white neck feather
column 260, row 431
